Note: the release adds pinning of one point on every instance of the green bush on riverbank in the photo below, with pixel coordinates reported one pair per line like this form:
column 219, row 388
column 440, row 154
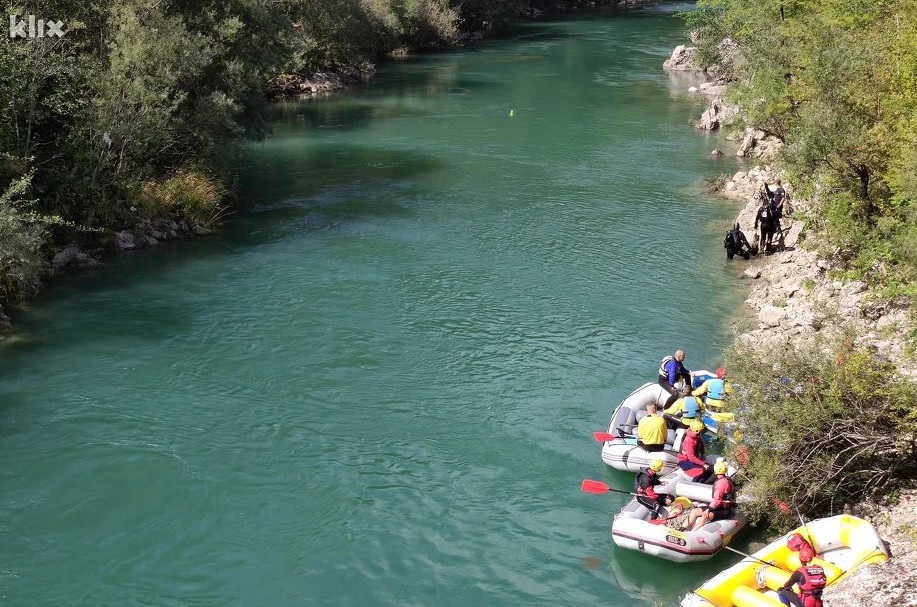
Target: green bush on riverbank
column 826, row 427
column 837, row 82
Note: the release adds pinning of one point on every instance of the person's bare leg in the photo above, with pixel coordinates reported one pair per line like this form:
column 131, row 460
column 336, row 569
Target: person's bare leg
column 702, row 520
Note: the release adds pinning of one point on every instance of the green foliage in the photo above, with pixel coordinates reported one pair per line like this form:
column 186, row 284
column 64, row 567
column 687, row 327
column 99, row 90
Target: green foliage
column 188, row 195
column 832, row 424
column 837, row 82
column 21, row 239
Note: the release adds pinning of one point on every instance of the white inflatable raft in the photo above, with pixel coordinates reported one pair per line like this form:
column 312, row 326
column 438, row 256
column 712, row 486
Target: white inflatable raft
column 623, row 453
column 633, row 529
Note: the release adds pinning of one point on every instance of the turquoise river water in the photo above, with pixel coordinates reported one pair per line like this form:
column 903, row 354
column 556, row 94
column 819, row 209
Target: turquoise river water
column 377, row 386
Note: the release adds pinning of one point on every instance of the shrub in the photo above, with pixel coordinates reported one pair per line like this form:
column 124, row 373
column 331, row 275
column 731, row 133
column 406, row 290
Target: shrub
column 188, row 195
column 21, row 239
column 827, row 424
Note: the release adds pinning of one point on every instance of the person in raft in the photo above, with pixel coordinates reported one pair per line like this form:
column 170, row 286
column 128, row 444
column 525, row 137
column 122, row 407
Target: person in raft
column 684, row 410
column 679, row 514
column 811, row 580
column 671, row 369
column 691, row 456
column 652, row 430
column 716, row 391
column 723, row 498
column 643, row 486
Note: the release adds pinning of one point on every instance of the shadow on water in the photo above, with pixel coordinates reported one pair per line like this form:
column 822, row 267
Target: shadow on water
column 332, row 186
column 407, row 95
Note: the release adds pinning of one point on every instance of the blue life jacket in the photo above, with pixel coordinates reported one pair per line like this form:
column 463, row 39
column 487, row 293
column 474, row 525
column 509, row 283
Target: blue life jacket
column 717, row 389
column 690, row 408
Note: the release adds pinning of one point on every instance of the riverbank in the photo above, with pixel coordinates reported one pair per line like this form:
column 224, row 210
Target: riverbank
column 797, row 294
column 69, row 254
column 796, row 297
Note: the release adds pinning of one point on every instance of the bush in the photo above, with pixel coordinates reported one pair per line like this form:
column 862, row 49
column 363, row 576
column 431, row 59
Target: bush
column 21, row 239
column 826, row 424
column 188, row 195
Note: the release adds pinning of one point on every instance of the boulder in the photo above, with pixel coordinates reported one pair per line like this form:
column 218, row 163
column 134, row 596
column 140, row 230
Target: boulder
column 682, row 59
column 125, row 240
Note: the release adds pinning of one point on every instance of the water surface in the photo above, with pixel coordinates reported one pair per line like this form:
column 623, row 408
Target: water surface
column 378, row 385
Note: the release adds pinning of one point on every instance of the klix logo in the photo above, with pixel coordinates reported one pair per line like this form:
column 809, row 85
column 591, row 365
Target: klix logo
column 30, row 27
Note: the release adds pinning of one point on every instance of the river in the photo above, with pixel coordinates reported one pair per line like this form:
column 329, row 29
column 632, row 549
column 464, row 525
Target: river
column 377, row 386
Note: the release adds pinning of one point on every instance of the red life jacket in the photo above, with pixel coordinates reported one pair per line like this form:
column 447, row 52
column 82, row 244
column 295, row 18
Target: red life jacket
column 692, row 444
column 814, row 580
column 723, row 486
column 796, row 543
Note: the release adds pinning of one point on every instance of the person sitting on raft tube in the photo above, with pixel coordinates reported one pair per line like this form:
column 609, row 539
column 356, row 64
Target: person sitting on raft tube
column 643, row 487
column 811, row 580
column 691, row 456
column 716, row 389
column 671, row 369
column 652, row 430
column 723, row 498
column 684, row 410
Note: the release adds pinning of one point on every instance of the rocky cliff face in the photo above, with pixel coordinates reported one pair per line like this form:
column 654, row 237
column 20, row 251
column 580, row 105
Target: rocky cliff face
column 795, row 297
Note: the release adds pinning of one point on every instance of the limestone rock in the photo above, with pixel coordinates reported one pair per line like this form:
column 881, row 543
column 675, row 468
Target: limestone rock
column 753, row 273
column 682, row 59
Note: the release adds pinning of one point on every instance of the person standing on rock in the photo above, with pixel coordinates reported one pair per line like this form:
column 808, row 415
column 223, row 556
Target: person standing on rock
column 779, row 199
column 765, row 218
column 671, row 370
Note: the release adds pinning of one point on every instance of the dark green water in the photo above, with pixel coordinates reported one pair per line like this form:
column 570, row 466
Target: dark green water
column 378, row 386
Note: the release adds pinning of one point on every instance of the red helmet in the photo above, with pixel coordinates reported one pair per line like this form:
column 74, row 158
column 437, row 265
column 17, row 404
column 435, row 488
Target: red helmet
column 806, row 555
column 721, row 373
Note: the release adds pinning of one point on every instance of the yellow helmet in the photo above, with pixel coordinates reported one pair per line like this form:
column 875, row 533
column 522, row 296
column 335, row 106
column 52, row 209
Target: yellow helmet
column 697, row 426
column 720, row 468
column 656, row 465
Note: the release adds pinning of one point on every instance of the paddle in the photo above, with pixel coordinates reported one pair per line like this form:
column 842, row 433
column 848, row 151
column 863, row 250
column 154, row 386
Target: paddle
column 809, row 533
column 604, row 437
column 754, row 558
column 600, row 487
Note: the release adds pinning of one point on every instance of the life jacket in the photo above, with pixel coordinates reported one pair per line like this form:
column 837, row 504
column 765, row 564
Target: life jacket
column 814, row 580
column 690, row 407
column 765, row 212
column 691, row 444
column 730, row 241
column 729, row 496
column 662, row 370
column 717, row 389
column 796, row 543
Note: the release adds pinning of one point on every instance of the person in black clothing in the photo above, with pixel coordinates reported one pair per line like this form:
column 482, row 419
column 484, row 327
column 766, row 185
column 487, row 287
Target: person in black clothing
column 735, row 243
column 646, row 479
column 765, row 217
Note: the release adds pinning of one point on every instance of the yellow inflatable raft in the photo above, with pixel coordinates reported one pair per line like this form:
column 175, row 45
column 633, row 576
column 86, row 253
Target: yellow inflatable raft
column 842, row 544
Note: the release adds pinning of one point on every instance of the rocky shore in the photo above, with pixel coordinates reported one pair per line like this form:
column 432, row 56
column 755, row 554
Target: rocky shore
column 90, row 251
column 318, row 83
column 795, row 298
